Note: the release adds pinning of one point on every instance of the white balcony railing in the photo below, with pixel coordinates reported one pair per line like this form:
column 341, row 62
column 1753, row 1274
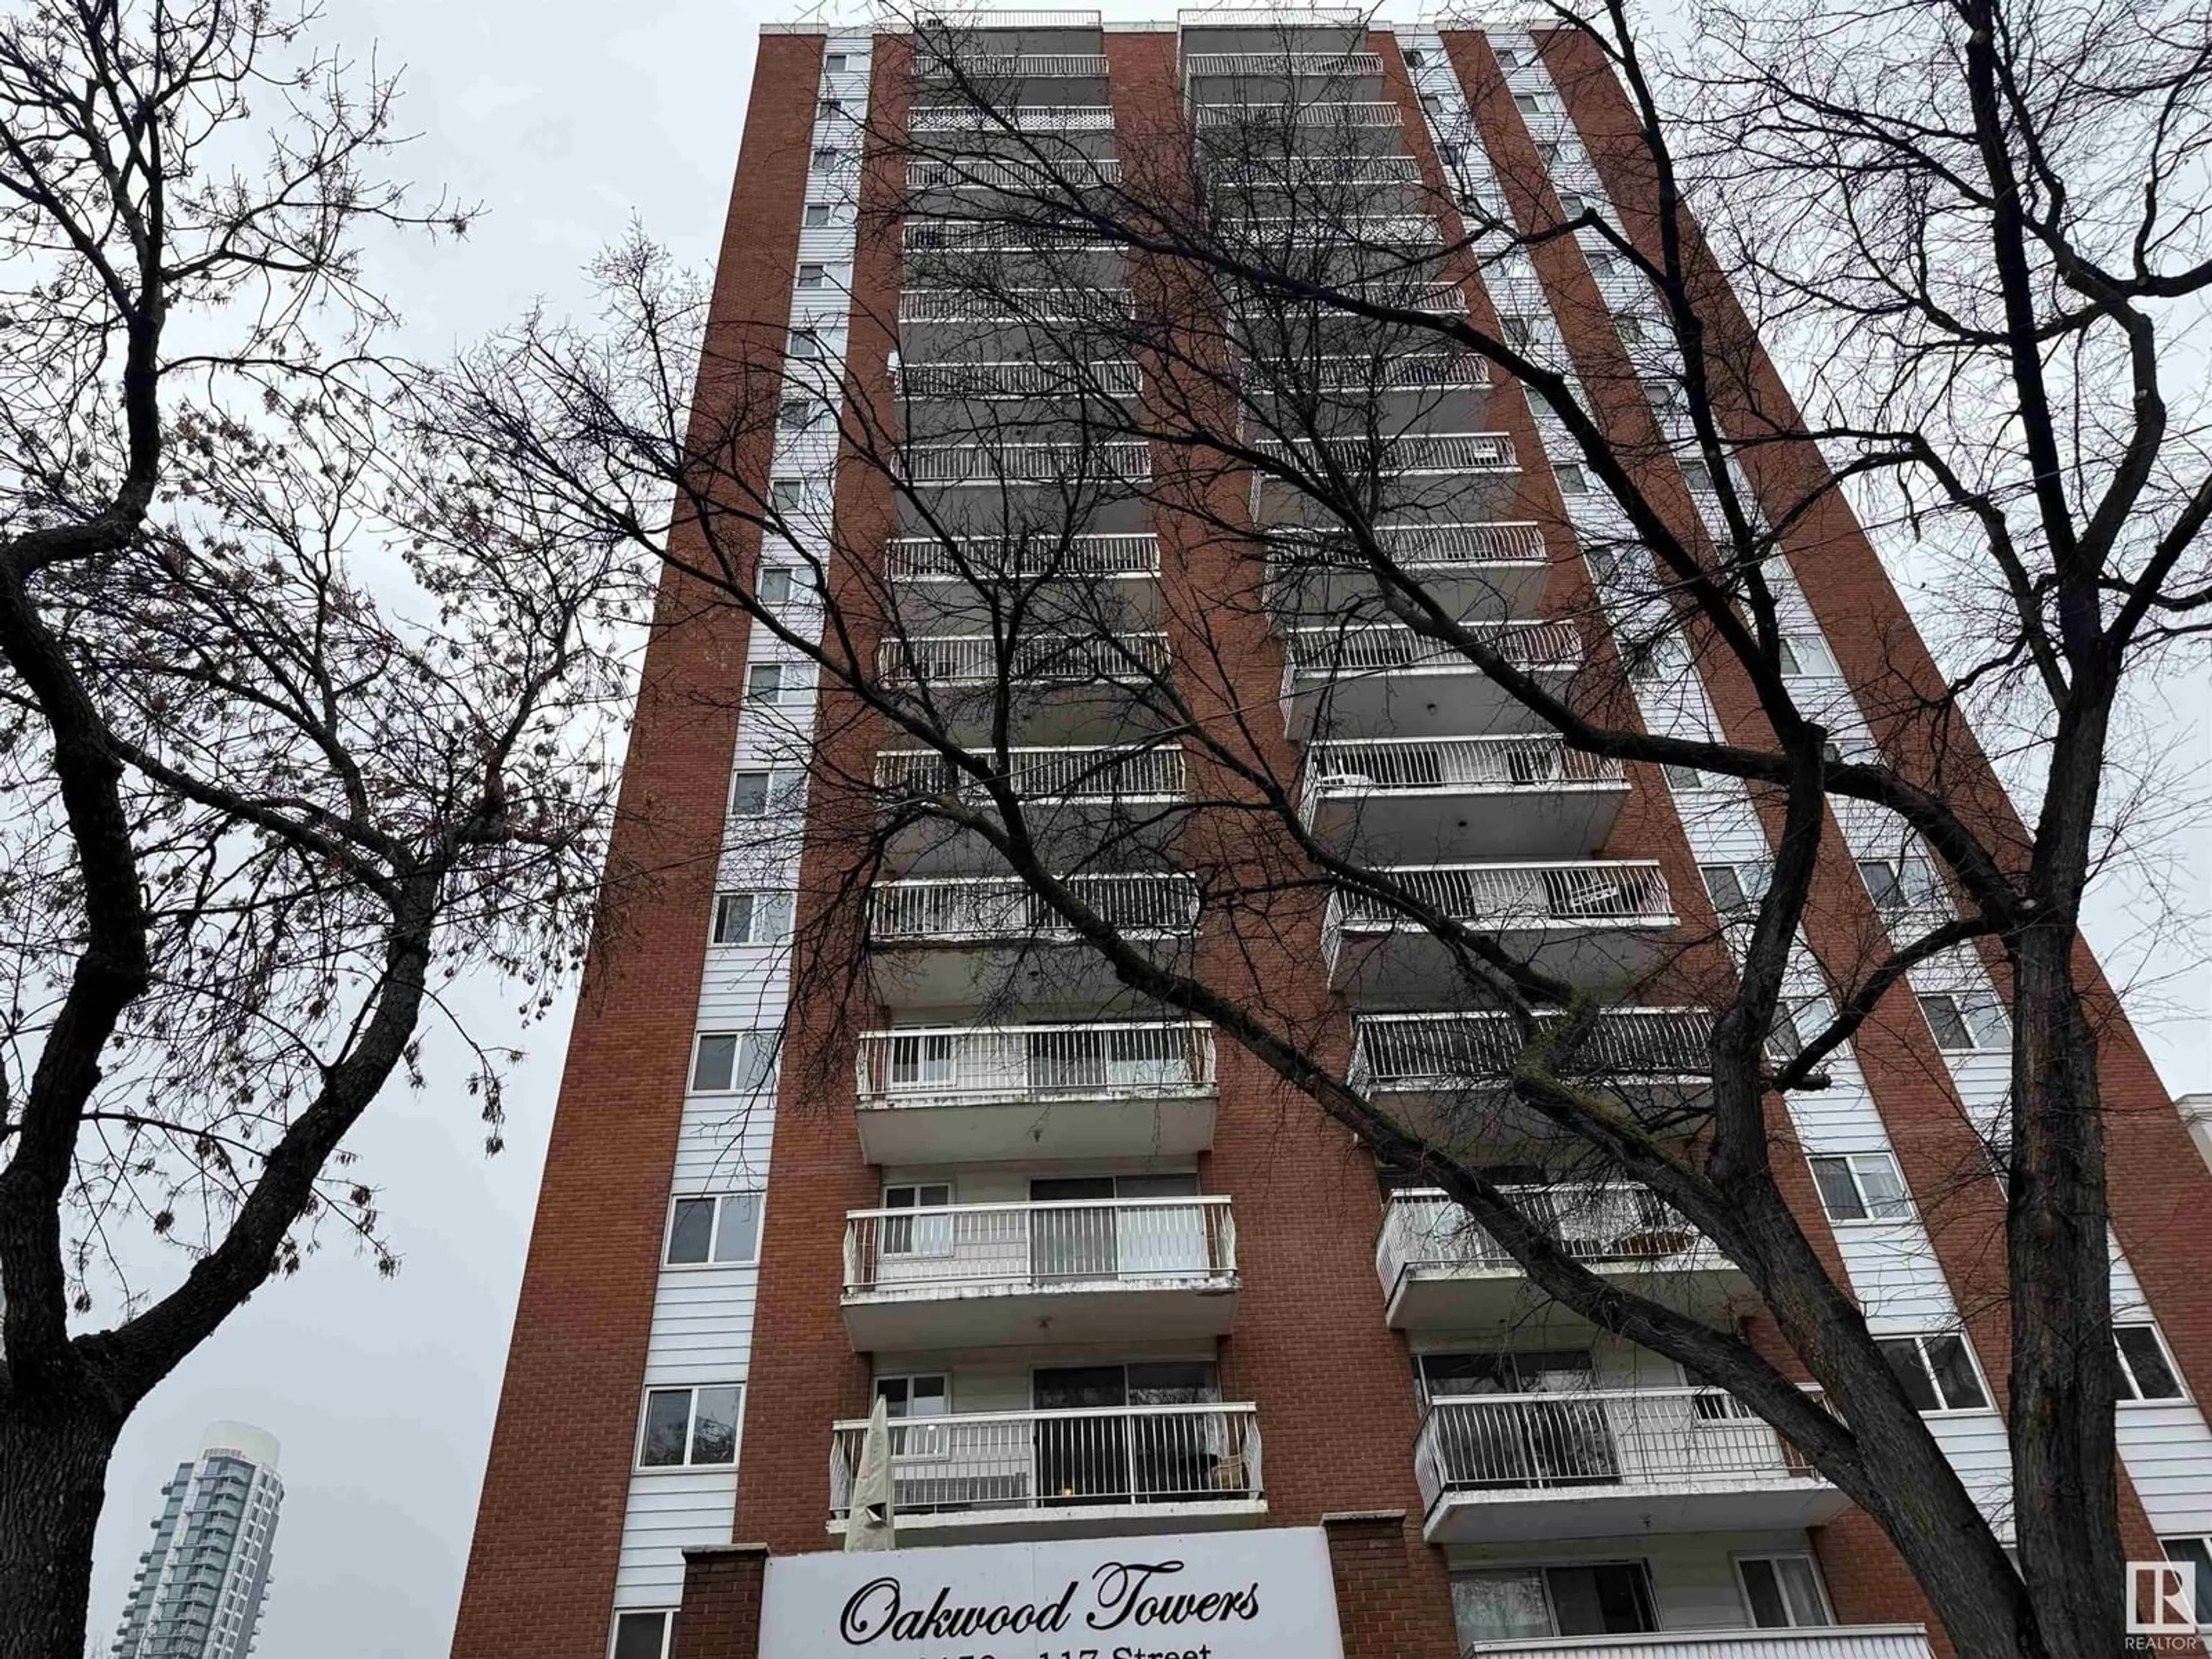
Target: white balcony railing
column 1408, row 453
column 1575, row 1442
column 1034, row 1065
column 1387, row 648
column 1474, row 1050
column 1013, row 173
column 1382, row 766
column 968, row 558
column 991, row 464
column 1596, row 1222
column 1064, row 774
column 1032, row 661
column 1113, row 378
column 1269, row 117
column 1136, row 1243
column 1046, row 1460
column 1022, row 117
column 1502, row 898
column 1016, row 304
column 1305, row 173
column 998, row 65
column 1002, row 910
column 1399, row 231
column 1805, row 1642
column 1304, row 64
column 1396, row 293
column 1295, row 552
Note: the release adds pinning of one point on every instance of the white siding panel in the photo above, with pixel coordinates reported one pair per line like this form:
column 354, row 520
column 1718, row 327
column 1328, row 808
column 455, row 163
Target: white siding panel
column 2168, row 1450
column 1975, row 1444
column 667, row 1510
column 703, row 1326
column 1896, row 1276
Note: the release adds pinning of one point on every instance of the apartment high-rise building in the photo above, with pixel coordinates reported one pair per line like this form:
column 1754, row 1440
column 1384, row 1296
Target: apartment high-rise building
column 199, row 1589
column 1141, row 1323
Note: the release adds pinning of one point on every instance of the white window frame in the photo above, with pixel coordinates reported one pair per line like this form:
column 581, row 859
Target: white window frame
column 925, row 1243
column 1751, row 893
column 666, row 1615
column 754, row 912
column 722, row 1201
column 1798, row 649
column 1820, row 1587
column 801, row 584
column 1920, row 1339
column 1960, row 1001
column 779, row 795
column 812, row 275
column 1544, row 1569
column 1564, row 471
column 739, row 1065
column 690, row 1426
column 2128, row 1371
column 1850, row 1161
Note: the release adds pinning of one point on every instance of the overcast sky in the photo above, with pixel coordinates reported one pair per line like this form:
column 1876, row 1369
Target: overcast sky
column 567, row 121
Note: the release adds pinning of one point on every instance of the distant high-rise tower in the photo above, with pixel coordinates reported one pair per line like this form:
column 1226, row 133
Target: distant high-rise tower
column 200, row 1588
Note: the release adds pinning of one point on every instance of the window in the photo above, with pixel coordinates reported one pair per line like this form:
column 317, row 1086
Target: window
column 805, row 342
column 1449, row 153
column 814, row 277
column 1805, row 653
column 731, row 1062
column 1529, row 1371
column 1630, row 327
column 1508, row 58
column 1519, row 330
column 1861, row 1187
column 693, row 1428
column 1432, row 106
column 1572, row 480
column 1415, row 57
column 708, row 1228
column 802, row 414
column 1735, row 889
column 1699, row 476
column 826, row 158
column 786, row 494
column 833, row 62
column 1938, row 1371
column 817, row 214
column 1531, row 103
column 756, row 794
column 1503, row 1604
column 1782, row 1592
column 1548, row 154
column 918, row 1235
column 2197, row 1554
column 1905, row 883
column 1572, row 205
column 774, row 683
column 831, row 108
column 913, row 1396
column 1966, row 1022
column 779, row 584
column 2146, row 1370
column 1602, row 262
column 752, row 918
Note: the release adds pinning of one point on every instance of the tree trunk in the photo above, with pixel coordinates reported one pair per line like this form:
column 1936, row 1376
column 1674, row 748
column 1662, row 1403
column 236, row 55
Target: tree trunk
column 53, row 1481
column 2064, row 1466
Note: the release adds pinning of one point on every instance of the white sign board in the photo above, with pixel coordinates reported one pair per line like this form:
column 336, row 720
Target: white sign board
column 1265, row 1595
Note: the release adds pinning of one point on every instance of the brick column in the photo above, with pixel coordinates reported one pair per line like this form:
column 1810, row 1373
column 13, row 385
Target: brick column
column 1386, row 1600
column 719, row 1618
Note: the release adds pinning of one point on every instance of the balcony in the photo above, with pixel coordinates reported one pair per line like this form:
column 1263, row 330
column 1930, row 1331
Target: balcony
column 1402, row 799
column 1812, row 1642
column 985, row 1476
column 1593, row 922
column 938, row 68
column 1110, row 579
column 989, row 1275
column 1008, row 322
column 1072, row 687
column 982, row 1094
column 1020, row 380
column 1485, row 571
column 1452, row 475
column 969, row 941
column 1450, row 1074
column 1323, row 115
column 995, row 465
column 1386, row 678
column 980, row 173
column 1078, row 796
column 1606, row 1463
column 1020, row 118
column 1440, row 1271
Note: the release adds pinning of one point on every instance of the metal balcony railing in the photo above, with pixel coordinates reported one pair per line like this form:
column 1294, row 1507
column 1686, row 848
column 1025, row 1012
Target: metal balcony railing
column 1408, row 454
column 998, row 236
column 1048, row 1460
column 1037, row 66
column 1138, row 1243
column 952, row 661
column 1805, row 1642
column 1304, row 64
column 1114, row 459
column 1041, row 776
column 1014, row 305
column 1332, row 114
column 1386, row 648
column 1505, row 896
column 1380, row 766
column 1293, row 550
column 1114, row 377
column 1023, row 118
column 1479, row 1049
column 1577, row 1442
column 1013, row 173
column 1596, row 1222
column 931, row 558
column 960, row 24
column 1391, row 230
column 1429, row 299
column 1035, row 1064
column 1414, row 371
column 1002, row 910
column 1306, row 173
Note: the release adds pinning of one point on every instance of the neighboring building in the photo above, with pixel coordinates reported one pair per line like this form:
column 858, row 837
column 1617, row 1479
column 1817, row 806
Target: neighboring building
column 2197, row 1112
column 198, row 1591
column 724, row 1277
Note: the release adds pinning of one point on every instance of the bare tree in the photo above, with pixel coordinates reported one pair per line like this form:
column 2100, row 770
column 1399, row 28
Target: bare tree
column 300, row 718
column 1259, row 322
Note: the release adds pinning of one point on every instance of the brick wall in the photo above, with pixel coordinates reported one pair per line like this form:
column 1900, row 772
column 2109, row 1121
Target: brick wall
column 720, row 1615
